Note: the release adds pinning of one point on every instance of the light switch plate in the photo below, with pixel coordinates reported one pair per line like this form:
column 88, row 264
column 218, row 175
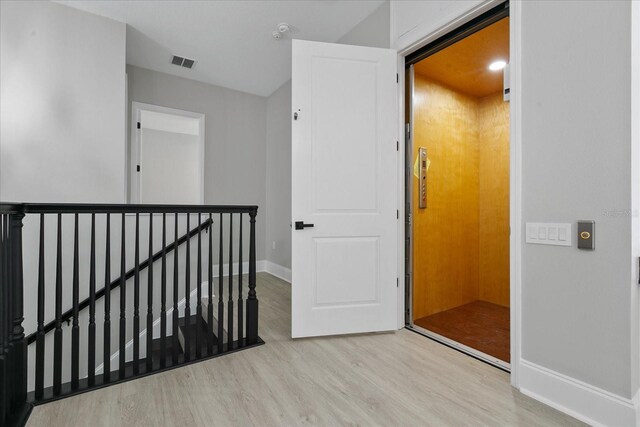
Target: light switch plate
column 549, row 233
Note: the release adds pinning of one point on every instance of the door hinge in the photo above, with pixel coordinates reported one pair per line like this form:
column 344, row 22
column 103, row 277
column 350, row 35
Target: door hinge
column 137, row 168
column 397, row 78
column 138, row 125
column 397, row 282
column 397, row 213
column 397, row 145
column 638, row 271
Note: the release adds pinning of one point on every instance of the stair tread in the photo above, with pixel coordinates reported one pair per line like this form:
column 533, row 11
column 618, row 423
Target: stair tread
column 205, row 302
column 214, row 319
column 195, row 323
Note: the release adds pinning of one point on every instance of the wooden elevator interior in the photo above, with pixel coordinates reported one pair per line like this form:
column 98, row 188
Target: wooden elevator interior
column 461, row 238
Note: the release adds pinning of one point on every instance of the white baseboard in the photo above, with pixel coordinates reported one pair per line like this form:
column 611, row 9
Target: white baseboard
column 260, row 266
column 193, row 297
column 582, row 401
column 279, row 271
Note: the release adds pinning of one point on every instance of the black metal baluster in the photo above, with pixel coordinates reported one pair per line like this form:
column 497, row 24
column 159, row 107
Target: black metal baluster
column 240, row 297
column 91, row 362
column 252, row 301
column 150, row 297
column 39, row 386
column 210, row 287
column 106, row 355
column 230, row 302
column 163, row 296
column 176, row 343
column 220, row 288
column 136, row 298
column 75, row 329
column 57, row 335
column 199, row 284
column 123, row 300
column 187, row 296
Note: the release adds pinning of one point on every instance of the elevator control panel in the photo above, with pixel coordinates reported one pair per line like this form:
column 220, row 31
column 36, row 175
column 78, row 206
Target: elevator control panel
column 422, row 196
column 586, row 235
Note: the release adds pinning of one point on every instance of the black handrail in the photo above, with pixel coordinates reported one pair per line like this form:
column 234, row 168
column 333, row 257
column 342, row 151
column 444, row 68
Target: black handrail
column 66, row 316
column 87, row 208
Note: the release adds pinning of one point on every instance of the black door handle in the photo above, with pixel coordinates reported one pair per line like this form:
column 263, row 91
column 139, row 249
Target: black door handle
column 300, row 225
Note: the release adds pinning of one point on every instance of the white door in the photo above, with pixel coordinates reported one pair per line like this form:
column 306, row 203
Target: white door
column 344, row 182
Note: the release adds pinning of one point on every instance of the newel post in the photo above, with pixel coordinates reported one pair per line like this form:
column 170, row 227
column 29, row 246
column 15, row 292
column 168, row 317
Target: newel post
column 252, row 301
column 18, row 342
column 5, row 320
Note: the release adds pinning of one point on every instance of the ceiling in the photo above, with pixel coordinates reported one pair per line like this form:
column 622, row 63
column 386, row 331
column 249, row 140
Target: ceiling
column 230, row 40
column 463, row 65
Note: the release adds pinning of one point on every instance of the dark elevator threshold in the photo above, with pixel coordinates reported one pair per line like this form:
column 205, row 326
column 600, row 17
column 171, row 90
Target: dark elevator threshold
column 481, row 325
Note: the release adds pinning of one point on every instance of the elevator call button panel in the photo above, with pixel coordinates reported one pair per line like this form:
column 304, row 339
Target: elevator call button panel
column 422, row 195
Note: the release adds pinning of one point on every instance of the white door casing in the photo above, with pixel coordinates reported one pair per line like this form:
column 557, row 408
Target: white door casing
column 167, row 155
column 344, row 181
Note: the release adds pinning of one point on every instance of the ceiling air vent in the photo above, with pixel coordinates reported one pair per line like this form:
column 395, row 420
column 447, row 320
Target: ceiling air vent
column 182, row 62
column 188, row 63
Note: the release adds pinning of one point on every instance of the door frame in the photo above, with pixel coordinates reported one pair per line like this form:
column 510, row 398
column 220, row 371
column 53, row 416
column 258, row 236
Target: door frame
column 515, row 165
column 135, row 149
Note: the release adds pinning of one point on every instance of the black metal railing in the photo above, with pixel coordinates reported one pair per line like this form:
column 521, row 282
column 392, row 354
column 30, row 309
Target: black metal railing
column 67, row 363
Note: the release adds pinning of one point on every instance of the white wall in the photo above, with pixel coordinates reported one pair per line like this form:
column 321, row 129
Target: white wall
column 373, row 31
column 62, row 86
column 579, row 309
column 235, row 137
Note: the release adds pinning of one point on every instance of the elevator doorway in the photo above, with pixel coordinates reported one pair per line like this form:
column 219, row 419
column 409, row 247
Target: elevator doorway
column 458, row 190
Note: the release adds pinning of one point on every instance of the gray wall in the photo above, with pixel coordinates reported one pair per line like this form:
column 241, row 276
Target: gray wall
column 373, row 31
column 279, row 176
column 235, row 143
column 62, row 137
column 62, row 80
column 576, row 119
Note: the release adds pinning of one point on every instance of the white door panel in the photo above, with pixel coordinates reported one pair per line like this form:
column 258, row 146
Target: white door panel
column 344, row 159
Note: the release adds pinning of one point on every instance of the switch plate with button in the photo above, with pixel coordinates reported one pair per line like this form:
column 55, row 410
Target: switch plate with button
column 586, row 235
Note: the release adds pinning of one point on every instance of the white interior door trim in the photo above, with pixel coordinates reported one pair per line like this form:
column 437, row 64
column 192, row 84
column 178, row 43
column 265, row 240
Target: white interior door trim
column 135, row 153
column 515, row 199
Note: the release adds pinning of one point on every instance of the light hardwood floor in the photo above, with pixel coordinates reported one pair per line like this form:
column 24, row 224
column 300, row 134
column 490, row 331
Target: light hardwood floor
column 391, row 379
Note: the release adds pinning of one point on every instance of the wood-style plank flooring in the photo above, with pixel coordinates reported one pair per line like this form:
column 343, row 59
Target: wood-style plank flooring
column 480, row 325
column 390, row 379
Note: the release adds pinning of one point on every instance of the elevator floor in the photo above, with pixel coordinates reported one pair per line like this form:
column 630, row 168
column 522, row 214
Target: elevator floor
column 480, row 325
